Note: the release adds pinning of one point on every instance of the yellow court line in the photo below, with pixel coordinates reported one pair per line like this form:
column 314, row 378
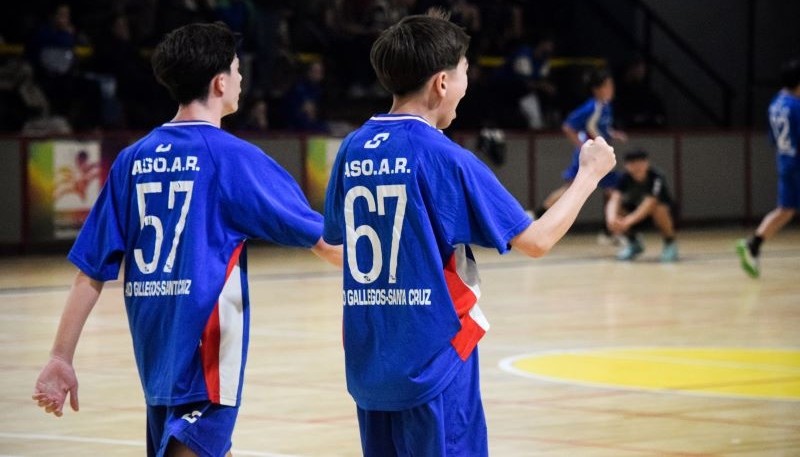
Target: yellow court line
column 732, row 372
column 703, row 362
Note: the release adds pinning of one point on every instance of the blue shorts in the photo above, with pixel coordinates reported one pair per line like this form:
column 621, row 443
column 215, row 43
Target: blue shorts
column 789, row 187
column 452, row 424
column 609, row 181
column 204, row 427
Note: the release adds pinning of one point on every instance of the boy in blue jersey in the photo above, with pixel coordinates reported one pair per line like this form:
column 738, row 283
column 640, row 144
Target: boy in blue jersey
column 177, row 209
column 591, row 119
column 407, row 202
column 784, row 122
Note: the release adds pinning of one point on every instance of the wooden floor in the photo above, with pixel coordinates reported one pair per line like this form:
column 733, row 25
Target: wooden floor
column 577, row 299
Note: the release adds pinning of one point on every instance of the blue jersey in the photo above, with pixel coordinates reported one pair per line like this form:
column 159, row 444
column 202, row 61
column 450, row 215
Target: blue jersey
column 406, row 202
column 177, row 208
column 784, row 121
column 592, row 119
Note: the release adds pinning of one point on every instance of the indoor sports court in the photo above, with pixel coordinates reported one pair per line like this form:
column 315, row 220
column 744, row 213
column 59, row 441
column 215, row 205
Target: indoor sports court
column 591, row 353
column 586, row 357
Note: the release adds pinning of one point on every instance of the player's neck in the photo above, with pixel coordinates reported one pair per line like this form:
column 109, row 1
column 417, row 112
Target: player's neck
column 414, row 107
column 198, row 111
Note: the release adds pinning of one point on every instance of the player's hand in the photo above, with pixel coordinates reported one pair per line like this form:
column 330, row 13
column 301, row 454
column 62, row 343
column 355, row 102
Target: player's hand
column 620, row 136
column 55, row 381
column 597, row 157
column 615, row 226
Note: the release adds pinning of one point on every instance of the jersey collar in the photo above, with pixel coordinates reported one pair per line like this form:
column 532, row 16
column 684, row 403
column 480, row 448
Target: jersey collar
column 400, row 117
column 187, row 123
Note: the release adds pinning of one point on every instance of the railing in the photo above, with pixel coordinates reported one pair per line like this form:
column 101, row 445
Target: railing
column 720, row 116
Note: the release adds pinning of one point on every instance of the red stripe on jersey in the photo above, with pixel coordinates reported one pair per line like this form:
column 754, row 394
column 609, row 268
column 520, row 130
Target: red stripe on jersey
column 209, row 349
column 464, row 299
column 209, row 354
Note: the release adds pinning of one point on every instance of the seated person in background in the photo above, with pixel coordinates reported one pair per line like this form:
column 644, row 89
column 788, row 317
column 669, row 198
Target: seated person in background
column 640, row 195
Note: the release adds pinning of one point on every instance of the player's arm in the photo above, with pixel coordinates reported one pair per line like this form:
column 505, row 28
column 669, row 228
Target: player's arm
column 328, row 252
column 58, row 376
column 571, row 134
column 596, row 160
column 641, row 212
column 618, row 135
column 613, row 219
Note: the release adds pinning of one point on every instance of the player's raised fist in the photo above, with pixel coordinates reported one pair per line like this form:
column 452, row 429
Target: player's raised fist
column 597, row 157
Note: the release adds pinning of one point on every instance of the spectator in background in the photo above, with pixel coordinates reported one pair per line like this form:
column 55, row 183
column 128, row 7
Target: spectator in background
column 118, row 56
column 274, row 59
column 240, row 16
column 39, row 119
column 502, row 22
column 466, row 14
column 176, row 13
column 51, row 52
column 637, row 105
column 255, row 114
column 309, row 29
column 355, row 25
column 480, row 107
column 641, row 196
column 523, row 81
column 462, row 12
column 23, row 105
column 303, row 101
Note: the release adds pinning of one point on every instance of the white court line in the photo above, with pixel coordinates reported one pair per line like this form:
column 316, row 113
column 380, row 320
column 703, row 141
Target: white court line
column 130, row 443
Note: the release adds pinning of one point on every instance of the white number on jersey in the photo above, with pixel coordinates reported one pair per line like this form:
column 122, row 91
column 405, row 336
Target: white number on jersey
column 153, row 221
column 355, row 233
column 779, row 121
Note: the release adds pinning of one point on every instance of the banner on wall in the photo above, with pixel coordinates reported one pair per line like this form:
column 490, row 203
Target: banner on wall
column 320, row 154
column 64, row 181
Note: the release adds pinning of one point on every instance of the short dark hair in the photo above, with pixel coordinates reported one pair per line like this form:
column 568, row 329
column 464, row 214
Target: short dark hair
column 408, row 53
column 634, row 155
column 598, row 77
column 188, row 58
column 790, row 73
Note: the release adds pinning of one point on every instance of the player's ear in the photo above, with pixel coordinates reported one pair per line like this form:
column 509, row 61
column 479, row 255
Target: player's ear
column 218, row 84
column 440, row 83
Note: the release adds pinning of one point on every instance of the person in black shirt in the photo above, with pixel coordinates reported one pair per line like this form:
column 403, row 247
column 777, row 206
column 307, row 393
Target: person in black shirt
column 640, row 196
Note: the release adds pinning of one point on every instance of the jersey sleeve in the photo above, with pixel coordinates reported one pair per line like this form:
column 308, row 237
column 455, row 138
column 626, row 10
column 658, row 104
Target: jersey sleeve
column 475, row 207
column 334, row 201
column 263, row 201
column 656, row 186
column 100, row 246
column 577, row 118
column 770, row 127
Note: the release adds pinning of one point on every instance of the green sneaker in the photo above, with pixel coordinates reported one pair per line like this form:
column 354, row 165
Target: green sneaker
column 670, row 252
column 631, row 250
column 748, row 261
